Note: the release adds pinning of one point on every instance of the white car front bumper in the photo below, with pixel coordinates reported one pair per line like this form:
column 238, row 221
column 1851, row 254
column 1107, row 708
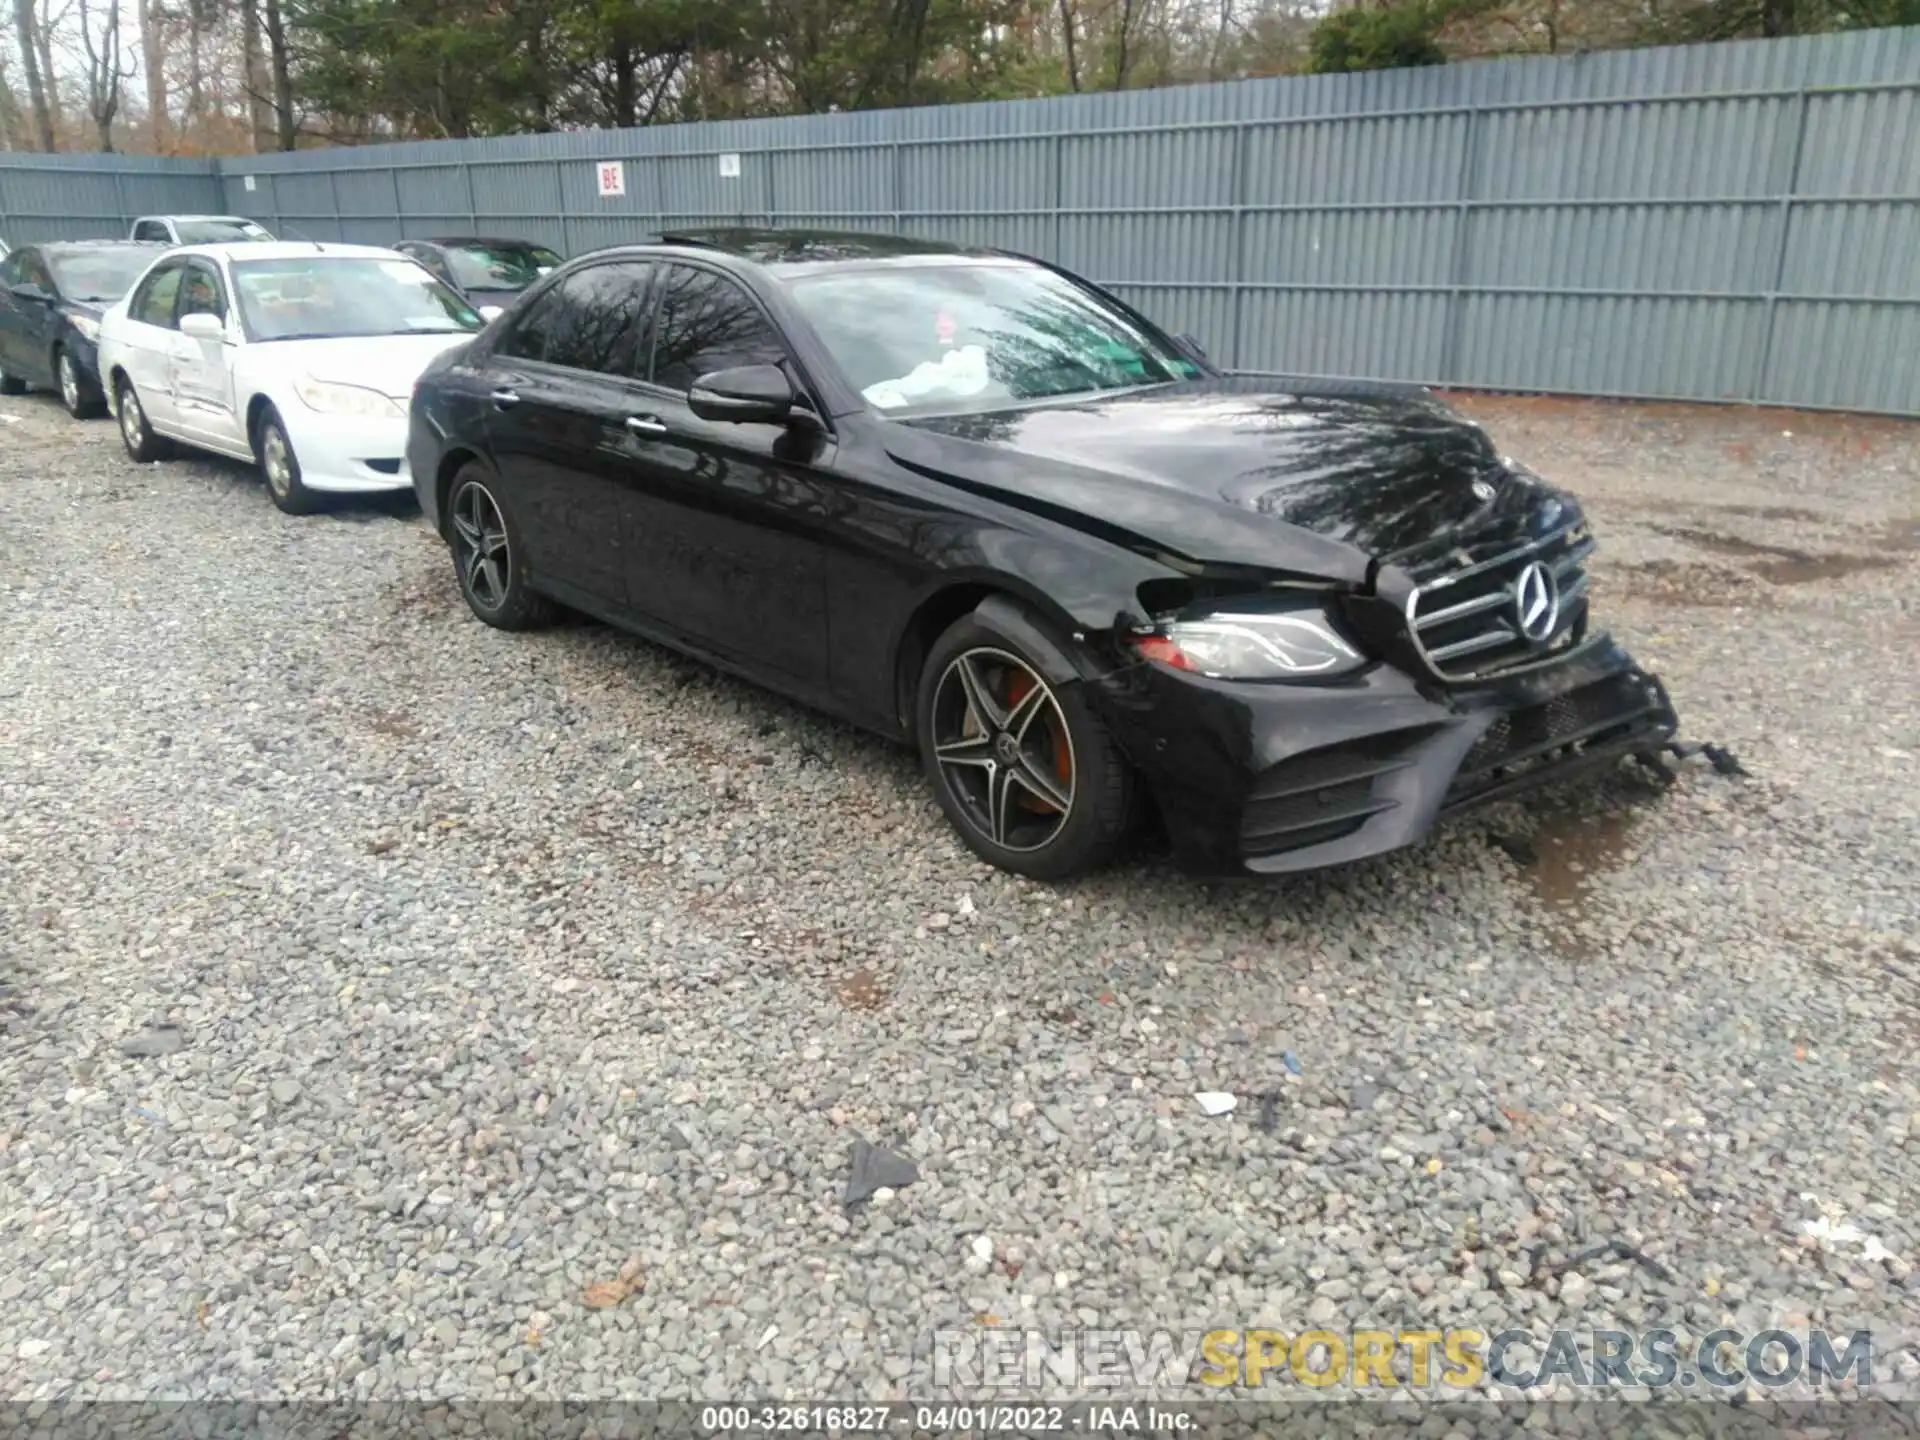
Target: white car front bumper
column 348, row 453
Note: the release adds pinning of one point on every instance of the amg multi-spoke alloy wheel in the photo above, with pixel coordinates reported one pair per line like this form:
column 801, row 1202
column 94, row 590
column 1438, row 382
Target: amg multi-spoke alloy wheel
column 485, row 549
column 1004, row 748
column 1022, row 766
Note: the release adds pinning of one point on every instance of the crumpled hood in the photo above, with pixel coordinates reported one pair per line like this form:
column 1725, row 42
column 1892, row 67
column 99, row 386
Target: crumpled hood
column 1318, row 479
column 387, row 363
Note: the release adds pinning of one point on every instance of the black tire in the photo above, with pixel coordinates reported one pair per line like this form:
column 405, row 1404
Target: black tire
column 279, row 466
column 12, row 384
column 1071, row 756
column 80, row 395
column 143, row 446
column 486, row 549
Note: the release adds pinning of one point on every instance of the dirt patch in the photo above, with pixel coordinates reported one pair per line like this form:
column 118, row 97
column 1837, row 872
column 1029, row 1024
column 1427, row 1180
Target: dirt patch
column 862, row 991
column 1675, row 582
column 396, row 723
column 1857, row 435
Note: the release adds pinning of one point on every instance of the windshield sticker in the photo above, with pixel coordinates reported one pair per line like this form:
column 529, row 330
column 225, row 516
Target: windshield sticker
column 944, row 328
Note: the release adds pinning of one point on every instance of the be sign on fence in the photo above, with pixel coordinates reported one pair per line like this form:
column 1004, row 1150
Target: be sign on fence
column 613, row 178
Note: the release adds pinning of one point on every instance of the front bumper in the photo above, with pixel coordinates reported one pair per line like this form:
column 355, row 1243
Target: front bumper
column 349, row 454
column 1268, row 779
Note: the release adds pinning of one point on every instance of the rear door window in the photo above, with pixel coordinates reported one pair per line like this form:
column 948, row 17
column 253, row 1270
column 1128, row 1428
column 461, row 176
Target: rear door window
column 590, row 321
column 153, row 303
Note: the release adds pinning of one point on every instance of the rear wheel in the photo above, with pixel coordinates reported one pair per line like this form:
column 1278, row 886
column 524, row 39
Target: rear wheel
column 280, row 466
column 12, row 384
column 80, row 395
column 1024, row 768
column 143, row 446
column 487, row 557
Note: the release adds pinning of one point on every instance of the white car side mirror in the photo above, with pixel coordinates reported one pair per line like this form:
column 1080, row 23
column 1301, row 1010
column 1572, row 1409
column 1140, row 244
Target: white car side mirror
column 491, row 313
column 202, row 326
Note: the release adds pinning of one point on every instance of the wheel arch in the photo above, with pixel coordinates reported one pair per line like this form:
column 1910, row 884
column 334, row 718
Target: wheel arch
column 256, row 407
column 1002, row 603
column 451, row 464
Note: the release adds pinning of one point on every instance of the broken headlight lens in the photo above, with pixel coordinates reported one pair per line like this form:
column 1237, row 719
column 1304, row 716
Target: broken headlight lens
column 1256, row 645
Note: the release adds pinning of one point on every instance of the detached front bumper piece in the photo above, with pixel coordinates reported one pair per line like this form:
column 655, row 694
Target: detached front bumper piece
column 1271, row 779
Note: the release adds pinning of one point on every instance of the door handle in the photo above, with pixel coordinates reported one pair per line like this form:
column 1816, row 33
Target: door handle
column 646, row 425
column 505, row 399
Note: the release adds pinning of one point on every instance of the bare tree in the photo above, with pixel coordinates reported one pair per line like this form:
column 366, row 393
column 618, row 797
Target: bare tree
column 285, row 123
column 107, row 68
column 32, row 57
column 254, row 77
column 153, row 59
column 1073, row 60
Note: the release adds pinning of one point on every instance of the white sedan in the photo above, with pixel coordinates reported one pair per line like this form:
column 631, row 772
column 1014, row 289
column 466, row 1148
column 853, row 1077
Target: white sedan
column 298, row 357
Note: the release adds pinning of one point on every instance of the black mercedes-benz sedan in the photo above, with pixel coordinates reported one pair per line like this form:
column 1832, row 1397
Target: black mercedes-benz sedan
column 51, row 300
column 970, row 501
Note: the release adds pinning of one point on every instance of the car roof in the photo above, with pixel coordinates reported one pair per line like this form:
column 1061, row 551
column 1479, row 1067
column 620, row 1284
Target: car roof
column 497, row 240
column 66, row 247
column 793, row 252
column 226, row 219
column 288, row 250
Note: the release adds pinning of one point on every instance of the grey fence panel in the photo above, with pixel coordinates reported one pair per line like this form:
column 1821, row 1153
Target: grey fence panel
column 73, row 197
column 1738, row 221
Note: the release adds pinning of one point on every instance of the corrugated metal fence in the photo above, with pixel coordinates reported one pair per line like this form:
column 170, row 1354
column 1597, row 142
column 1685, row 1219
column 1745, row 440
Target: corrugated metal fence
column 1727, row 222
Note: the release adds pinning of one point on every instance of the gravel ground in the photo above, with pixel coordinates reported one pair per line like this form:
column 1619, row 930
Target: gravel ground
column 502, row 967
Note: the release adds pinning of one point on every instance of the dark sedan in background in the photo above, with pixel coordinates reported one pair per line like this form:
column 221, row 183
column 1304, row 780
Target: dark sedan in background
column 490, row 274
column 51, row 300
column 973, row 502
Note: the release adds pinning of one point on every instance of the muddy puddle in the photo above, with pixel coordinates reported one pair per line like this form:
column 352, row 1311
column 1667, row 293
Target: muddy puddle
column 1573, row 852
column 1778, row 564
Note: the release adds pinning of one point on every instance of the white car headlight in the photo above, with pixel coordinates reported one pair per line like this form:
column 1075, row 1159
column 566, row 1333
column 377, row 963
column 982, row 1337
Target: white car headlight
column 331, row 398
column 86, row 325
column 1251, row 646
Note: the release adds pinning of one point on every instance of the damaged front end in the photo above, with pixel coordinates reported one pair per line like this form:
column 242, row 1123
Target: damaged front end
column 1295, row 724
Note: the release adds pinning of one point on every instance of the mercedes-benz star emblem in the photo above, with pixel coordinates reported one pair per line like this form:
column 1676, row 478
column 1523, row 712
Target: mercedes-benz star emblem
column 1536, row 602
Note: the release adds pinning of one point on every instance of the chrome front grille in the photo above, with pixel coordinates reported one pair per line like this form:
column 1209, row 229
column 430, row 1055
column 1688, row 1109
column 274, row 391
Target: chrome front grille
column 1466, row 622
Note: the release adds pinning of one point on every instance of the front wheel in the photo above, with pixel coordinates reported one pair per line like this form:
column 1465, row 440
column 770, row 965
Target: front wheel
column 488, row 557
column 1024, row 768
column 143, row 446
column 280, row 466
column 12, row 384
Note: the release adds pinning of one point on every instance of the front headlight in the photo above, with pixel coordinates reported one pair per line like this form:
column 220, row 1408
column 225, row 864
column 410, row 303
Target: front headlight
column 330, row 398
column 1251, row 646
column 87, row 326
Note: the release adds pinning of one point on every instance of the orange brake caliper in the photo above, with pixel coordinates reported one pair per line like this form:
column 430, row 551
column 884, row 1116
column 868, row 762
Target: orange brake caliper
column 1017, row 689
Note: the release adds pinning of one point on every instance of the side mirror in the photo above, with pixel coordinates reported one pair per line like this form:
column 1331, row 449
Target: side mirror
column 27, row 290
column 1192, row 346
column 202, row 326
column 491, row 313
column 746, row 395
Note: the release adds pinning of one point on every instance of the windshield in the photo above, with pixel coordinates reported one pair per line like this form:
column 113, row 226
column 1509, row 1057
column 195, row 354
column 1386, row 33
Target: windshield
column 971, row 336
column 101, row 275
column 499, row 267
column 311, row 297
column 218, row 232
